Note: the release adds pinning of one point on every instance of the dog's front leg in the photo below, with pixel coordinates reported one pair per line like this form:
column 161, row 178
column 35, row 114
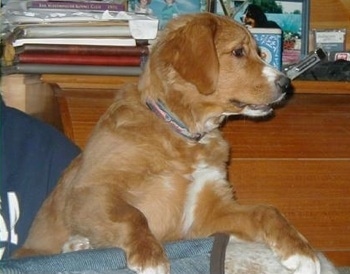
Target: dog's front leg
column 144, row 253
column 255, row 223
column 115, row 223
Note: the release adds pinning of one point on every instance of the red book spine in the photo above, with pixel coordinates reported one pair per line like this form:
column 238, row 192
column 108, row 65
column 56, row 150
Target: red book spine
column 95, row 60
column 84, row 50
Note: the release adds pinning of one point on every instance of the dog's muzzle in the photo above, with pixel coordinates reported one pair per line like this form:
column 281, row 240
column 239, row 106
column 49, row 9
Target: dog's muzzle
column 283, row 83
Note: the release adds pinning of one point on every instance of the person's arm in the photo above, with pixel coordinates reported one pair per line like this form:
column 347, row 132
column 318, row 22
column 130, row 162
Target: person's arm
column 33, row 156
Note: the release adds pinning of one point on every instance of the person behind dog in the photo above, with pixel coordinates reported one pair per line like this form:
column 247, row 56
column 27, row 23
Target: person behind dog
column 143, row 7
column 255, row 17
column 33, row 156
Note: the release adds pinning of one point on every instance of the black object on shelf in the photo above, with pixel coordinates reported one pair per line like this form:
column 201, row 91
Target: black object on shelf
column 328, row 71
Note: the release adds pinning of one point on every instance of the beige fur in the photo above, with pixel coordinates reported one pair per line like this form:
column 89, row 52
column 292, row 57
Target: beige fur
column 139, row 183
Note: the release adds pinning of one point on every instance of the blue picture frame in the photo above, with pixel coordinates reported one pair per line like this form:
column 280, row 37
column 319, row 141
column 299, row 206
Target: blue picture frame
column 294, row 22
column 164, row 10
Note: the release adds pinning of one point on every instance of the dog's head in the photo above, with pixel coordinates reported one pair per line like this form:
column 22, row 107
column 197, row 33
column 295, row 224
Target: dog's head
column 205, row 67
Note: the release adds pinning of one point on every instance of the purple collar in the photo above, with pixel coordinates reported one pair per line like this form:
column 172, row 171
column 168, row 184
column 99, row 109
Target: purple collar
column 160, row 109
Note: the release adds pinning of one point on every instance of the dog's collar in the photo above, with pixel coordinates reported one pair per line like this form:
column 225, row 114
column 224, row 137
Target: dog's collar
column 160, row 109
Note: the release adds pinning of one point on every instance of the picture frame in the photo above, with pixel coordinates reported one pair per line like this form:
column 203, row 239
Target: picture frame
column 165, row 10
column 291, row 15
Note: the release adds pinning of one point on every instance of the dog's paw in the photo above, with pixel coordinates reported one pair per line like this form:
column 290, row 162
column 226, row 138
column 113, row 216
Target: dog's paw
column 149, row 259
column 301, row 264
column 76, row 243
column 160, row 269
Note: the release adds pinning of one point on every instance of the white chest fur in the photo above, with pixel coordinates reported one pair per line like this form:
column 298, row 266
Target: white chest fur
column 202, row 176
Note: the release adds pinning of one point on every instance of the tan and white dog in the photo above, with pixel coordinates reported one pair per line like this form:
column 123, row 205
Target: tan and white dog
column 155, row 167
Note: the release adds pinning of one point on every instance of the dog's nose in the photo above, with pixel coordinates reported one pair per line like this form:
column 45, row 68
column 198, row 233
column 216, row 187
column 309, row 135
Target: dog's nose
column 283, row 83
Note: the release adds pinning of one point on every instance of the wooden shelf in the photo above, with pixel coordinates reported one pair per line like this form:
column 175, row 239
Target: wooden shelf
column 70, row 81
column 321, row 87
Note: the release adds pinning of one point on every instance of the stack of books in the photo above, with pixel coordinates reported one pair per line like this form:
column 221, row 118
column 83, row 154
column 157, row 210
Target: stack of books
column 116, row 44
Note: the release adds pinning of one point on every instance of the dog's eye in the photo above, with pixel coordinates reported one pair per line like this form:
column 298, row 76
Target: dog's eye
column 238, row 52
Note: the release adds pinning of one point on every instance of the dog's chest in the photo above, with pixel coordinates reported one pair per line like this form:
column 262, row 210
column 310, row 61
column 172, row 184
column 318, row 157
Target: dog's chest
column 191, row 169
column 205, row 160
column 208, row 172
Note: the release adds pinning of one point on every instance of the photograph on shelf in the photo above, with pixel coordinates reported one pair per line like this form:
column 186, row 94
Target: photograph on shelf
column 226, row 7
column 165, row 10
column 291, row 17
column 330, row 40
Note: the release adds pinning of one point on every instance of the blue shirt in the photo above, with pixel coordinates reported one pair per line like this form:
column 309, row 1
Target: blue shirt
column 33, row 156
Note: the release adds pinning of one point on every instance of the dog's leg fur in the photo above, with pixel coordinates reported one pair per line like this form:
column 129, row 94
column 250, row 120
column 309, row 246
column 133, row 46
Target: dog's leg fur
column 49, row 228
column 254, row 223
column 48, row 232
column 143, row 251
column 116, row 224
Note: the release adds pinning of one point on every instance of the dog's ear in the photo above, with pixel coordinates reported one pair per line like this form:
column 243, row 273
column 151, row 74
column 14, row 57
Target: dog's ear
column 191, row 51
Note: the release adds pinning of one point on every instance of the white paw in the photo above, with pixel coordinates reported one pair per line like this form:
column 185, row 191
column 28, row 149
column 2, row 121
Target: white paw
column 300, row 264
column 160, row 269
column 76, row 243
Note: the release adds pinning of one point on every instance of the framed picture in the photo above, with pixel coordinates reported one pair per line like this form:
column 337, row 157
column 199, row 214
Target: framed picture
column 165, row 10
column 292, row 16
